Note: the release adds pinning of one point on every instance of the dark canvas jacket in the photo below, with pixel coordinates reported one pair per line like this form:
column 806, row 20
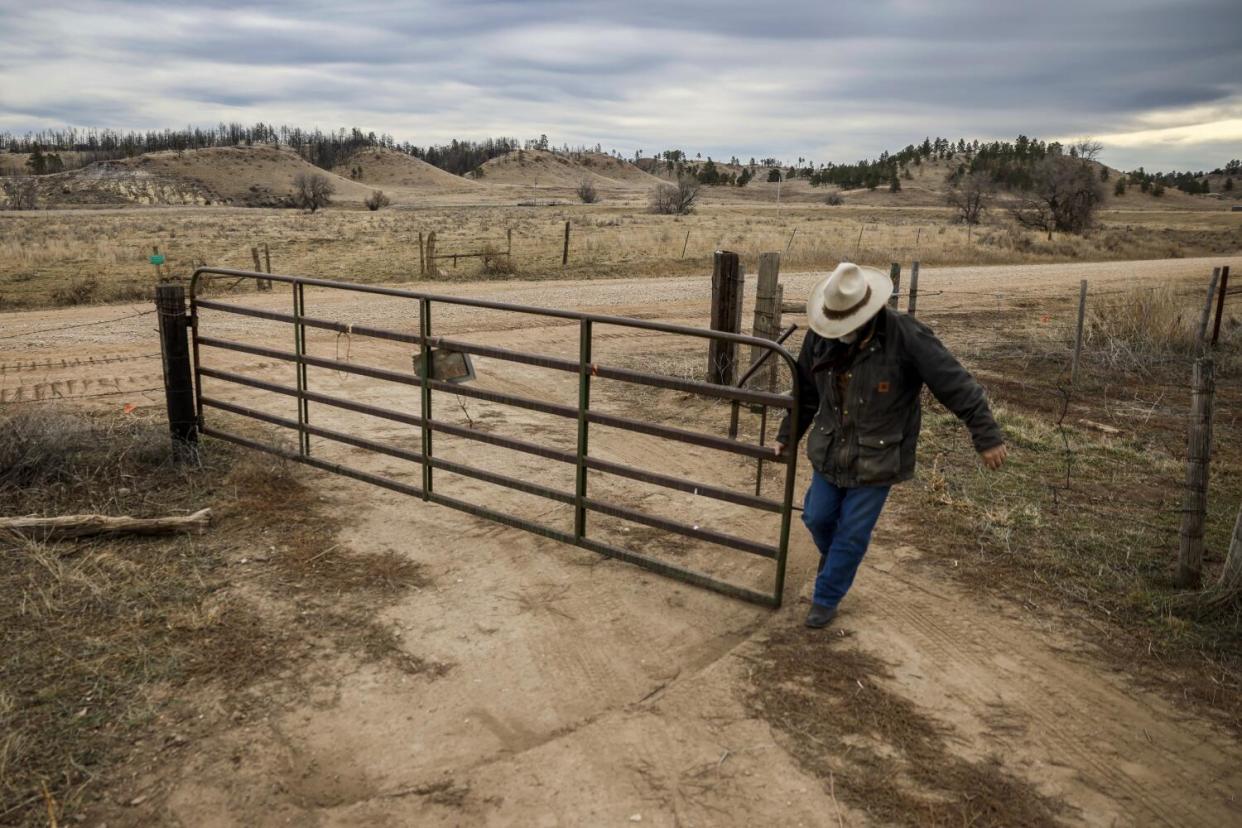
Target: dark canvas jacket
column 868, row 436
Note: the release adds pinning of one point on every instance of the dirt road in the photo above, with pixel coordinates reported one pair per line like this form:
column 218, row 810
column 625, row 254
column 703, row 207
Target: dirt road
column 586, row 692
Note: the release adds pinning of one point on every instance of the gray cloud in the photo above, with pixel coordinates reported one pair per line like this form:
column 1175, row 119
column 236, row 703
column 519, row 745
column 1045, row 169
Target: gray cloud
column 829, row 81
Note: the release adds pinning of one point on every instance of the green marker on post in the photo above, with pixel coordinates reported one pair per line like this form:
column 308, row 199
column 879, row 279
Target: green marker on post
column 157, row 259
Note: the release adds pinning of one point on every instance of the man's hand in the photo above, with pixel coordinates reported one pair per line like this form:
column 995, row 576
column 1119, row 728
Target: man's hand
column 778, row 449
column 994, row 457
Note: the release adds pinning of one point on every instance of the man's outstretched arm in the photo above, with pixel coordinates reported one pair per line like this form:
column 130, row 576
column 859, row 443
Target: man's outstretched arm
column 957, row 390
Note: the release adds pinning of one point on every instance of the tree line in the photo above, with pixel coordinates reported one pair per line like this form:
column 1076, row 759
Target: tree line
column 1007, row 164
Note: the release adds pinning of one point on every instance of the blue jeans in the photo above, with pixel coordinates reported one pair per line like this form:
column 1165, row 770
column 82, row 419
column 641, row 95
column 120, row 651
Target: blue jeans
column 840, row 521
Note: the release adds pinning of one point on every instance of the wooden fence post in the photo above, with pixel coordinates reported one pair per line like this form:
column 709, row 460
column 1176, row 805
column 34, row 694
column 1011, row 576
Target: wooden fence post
column 422, row 262
column 913, row 302
column 1220, row 303
column 565, row 250
column 1082, row 318
column 267, row 266
column 431, row 253
column 685, row 244
column 726, row 299
column 1198, row 458
column 175, row 353
column 1201, row 336
column 894, row 272
column 767, row 323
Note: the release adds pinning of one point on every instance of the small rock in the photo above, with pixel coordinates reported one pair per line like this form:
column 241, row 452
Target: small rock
column 138, row 800
column 636, row 817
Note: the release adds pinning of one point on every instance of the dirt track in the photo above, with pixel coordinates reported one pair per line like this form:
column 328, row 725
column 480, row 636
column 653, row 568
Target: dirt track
column 589, row 692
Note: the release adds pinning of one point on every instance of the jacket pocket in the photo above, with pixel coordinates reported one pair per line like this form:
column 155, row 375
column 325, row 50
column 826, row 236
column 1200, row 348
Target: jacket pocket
column 819, row 443
column 879, row 458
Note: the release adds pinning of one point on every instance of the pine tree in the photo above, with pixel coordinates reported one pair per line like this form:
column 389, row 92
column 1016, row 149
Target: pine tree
column 1228, row 184
column 37, row 162
column 894, row 183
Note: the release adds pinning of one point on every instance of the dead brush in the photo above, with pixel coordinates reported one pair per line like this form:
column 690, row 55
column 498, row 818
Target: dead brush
column 51, row 456
column 1138, row 330
column 497, row 262
column 81, row 292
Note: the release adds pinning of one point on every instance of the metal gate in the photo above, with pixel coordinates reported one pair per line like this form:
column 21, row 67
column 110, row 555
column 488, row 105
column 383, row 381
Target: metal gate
column 428, row 426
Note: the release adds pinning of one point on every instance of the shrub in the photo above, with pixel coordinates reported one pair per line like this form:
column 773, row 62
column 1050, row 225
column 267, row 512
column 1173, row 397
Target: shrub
column 376, row 200
column 834, row 200
column 586, row 192
column 1119, row 189
column 80, row 292
column 21, row 193
column 675, row 201
column 312, row 191
column 497, row 262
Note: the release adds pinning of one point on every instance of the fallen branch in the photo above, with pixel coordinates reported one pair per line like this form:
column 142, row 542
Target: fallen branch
column 81, row 526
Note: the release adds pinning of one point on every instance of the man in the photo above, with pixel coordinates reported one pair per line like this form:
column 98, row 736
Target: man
column 860, row 374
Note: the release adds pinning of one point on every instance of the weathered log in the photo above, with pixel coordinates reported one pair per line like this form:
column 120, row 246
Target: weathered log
column 81, row 526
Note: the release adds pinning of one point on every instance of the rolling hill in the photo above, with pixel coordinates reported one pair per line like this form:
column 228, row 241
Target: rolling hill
column 385, row 167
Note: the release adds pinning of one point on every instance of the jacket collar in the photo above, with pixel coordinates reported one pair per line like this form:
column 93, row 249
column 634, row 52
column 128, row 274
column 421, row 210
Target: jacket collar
column 830, row 351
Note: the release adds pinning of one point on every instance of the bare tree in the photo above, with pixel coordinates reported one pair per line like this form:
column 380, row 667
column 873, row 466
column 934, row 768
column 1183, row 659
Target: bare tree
column 678, row 200
column 970, row 197
column 312, row 191
column 21, row 193
column 586, row 192
column 1088, row 149
column 376, row 200
column 1064, row 196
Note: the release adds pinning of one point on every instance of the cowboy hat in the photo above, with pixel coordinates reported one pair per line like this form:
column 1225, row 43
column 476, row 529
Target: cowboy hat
column 847, row 299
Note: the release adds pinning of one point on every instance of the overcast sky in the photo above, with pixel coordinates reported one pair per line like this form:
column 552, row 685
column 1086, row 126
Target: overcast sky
column 1158, row 81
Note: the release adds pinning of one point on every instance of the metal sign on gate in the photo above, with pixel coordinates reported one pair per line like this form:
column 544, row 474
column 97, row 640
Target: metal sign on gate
column 425, row 379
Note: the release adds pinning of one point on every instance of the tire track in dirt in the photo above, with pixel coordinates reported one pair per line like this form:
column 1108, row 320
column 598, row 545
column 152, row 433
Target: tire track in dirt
column 981, row 658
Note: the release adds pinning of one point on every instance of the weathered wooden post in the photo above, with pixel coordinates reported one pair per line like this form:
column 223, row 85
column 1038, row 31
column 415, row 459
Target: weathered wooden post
column 260, row 284
column 267, row 262
column 685, row 244
column 422, row 262
column 1220, row 303
column 912, row 304
column 1082, row 319
column 1201, row 335
column 1198, row 458
column 565, row 250
column 726, row 300
column 178, row 385
column 894, row 272
column 431, row 253
column 767, row 323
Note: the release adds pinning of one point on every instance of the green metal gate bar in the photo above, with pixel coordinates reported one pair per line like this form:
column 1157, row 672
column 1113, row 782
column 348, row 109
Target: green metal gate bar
column 581, row 459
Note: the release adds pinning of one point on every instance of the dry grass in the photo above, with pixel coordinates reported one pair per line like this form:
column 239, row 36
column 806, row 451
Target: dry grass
column 108, row 642
column 874, row 748
column 1143, row 327
column 43, row 252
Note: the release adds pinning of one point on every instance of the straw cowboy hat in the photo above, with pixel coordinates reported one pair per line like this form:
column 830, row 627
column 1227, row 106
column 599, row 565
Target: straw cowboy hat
column 847, row 299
